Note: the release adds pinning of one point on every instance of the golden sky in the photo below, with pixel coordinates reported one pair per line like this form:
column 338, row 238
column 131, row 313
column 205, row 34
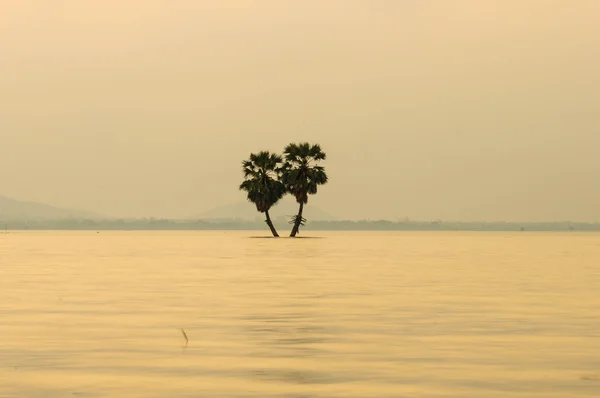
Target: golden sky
column 464, row 109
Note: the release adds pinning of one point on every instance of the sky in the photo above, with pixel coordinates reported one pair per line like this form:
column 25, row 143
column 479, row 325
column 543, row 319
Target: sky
column 431, row 109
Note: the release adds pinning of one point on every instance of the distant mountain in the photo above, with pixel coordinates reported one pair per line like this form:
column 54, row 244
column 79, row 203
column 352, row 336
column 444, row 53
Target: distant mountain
column 20, row 210
column 247, row 211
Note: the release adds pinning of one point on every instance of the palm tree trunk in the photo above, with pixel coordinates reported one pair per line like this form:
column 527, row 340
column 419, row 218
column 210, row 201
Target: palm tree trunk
column 270, row 224
column 297, row 221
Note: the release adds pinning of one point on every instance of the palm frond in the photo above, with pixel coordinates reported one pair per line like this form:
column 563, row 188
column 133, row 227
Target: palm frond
column 261, row 180
column 296, row 217
column 301, row 173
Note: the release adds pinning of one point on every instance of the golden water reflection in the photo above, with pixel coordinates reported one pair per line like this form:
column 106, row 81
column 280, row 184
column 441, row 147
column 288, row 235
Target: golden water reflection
column 349, row 315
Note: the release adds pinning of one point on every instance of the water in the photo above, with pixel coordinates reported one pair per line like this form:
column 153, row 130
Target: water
column 409, row 314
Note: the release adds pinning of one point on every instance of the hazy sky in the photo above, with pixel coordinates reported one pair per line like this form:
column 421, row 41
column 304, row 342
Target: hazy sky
column 463, row 109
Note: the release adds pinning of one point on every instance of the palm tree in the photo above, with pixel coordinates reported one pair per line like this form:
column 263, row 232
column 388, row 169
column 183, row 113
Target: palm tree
column 301, row 175
column 261, row 184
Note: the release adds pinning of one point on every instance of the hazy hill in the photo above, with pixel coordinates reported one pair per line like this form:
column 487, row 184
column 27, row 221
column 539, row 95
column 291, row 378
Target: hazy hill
column 247, row 211
column 17, row 209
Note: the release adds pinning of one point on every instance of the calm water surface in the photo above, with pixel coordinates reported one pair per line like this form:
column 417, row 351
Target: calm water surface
column 405, row 314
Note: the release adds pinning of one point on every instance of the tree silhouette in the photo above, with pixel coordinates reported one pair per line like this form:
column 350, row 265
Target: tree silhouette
column 301, row 175
column 261, row 183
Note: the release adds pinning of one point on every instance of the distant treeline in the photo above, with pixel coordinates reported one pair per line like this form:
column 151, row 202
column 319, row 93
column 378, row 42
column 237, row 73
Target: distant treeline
column 365, row 225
